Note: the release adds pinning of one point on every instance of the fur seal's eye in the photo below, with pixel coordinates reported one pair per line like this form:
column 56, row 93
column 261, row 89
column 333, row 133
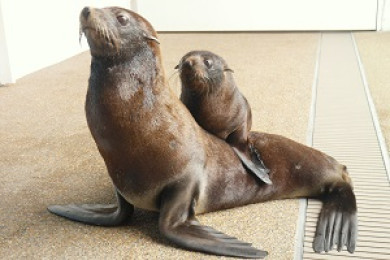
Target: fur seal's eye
column 208, row 63
column 123, row 20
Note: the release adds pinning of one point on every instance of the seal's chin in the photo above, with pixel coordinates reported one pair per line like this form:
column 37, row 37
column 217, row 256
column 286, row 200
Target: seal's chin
column 195, row 79
column 99, row 45
column 101, row 38
column 199, row 85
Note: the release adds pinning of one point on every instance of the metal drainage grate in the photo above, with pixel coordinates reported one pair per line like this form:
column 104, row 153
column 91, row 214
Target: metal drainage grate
column 345, row 128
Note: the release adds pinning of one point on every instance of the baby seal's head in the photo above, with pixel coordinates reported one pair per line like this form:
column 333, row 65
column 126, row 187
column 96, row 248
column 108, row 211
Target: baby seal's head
column 115, row 31
column 202, row 70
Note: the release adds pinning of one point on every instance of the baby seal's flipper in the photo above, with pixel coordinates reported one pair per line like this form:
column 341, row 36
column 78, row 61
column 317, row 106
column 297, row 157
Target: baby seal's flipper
column 254, row 164
column 178, row 224
column 96, row 214
column 248, row 155
column 337, row 223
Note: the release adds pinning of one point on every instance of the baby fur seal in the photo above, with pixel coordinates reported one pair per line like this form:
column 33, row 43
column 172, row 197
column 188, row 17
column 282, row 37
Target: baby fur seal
column 211, row 95
column 160, row 159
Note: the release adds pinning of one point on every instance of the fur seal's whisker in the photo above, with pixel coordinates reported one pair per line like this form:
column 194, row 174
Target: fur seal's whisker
column 173, row 74
column 116, row 42
column 80, row 34
column 104, row 33
column 174, row 80
column 111, row 36
column 100, row 29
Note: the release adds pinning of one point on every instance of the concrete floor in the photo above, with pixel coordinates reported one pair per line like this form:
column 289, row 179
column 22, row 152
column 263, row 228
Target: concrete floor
column 48, row 156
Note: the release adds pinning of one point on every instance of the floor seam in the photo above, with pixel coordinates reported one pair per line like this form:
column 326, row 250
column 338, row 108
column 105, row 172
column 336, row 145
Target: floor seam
column 375, row 118
column 300, row 233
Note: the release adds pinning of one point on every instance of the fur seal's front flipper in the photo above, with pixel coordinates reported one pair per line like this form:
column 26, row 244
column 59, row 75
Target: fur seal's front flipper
column 248, row 155
column 96, row 214
column 179, row 225
column 337, row 223
column 256, row 166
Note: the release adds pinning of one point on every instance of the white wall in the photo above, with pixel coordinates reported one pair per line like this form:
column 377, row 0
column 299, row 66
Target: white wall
column 5, row 73
column 256, row 15
column 384, row 15
column 39, row 33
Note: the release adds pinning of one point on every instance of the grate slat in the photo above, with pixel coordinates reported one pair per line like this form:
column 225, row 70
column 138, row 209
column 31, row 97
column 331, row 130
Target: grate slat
column 344, row 127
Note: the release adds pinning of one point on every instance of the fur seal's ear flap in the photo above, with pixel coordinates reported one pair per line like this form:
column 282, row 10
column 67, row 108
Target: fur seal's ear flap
column 177, row 66
column 228, row 69
column 152, row 38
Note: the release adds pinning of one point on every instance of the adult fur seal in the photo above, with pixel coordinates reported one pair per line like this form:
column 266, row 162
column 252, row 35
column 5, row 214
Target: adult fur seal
column 210, row 93
column 159, row 158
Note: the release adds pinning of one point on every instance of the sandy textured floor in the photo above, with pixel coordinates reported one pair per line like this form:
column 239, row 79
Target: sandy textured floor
column 374, row 50
column 48, row 156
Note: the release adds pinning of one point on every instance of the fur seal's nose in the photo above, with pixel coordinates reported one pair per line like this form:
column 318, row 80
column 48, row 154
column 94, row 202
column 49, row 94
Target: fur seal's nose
column 85, row 12
column 187, row 64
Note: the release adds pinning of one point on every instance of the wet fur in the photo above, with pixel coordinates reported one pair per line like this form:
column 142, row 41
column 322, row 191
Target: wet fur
column 160, row 159
column 211, row 95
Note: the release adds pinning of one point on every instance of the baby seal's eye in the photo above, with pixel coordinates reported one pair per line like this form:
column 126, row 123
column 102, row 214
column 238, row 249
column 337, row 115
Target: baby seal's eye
column 123, row 20
column 208, row 63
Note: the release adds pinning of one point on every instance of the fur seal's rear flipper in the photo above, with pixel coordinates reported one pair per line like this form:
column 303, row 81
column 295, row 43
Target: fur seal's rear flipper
column 179, row 225
column 337, row 223
column 96, row 214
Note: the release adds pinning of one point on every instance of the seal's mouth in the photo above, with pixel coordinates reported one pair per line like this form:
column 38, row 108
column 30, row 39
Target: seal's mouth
column 193, row 71
column 84, row 28
column 196, row 79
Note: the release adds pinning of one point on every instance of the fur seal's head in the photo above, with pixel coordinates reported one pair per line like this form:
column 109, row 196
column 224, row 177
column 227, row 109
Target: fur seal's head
column 115, row 31
column 202, row 70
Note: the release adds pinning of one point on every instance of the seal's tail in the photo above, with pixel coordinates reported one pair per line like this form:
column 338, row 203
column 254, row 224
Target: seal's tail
column 337, row 224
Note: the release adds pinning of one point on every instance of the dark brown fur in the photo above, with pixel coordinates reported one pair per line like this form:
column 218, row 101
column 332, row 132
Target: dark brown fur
column 211, row 95
column 159, row 158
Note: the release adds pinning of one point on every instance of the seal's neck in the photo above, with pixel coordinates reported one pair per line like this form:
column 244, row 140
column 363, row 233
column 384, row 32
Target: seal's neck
column 143, row 67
